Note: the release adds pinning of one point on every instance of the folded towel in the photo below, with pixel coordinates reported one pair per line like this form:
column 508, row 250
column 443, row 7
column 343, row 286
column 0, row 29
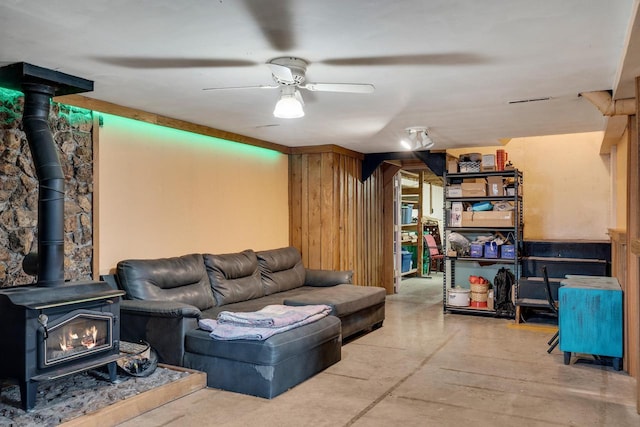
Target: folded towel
column 288, row 319
column 272, row 316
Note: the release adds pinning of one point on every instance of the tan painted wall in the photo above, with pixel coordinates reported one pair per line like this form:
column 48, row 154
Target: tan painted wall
column 163, row 192
column 567, row 185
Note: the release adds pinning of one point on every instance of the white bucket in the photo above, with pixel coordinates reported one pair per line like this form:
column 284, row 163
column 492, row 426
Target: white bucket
column 458, row 297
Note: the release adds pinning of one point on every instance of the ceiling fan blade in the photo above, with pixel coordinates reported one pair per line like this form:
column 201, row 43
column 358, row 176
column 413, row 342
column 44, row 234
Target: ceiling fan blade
column 281, row 72
column 242, row 87
column 275, row 20
column 151, row 62
column 339, row 87
column 459, row 58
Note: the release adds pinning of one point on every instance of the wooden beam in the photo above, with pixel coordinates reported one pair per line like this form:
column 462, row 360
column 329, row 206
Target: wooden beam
column 433, row 160
column 632, row 295
column 615, row 128
column 327, row 148
column 156, row 119
column 388, row 274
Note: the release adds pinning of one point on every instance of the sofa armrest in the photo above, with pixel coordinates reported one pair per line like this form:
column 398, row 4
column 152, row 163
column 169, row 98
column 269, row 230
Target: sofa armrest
column 163, row 324
column 320, row 278
column 160, row 308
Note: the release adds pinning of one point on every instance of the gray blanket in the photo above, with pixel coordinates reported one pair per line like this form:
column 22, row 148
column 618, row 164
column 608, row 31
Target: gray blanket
column 262, row 324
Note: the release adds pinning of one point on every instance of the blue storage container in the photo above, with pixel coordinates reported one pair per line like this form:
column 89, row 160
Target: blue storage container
column 407, row 214
column 491, row 250
column 508, row 251
column 406, row 261
column 476, row 250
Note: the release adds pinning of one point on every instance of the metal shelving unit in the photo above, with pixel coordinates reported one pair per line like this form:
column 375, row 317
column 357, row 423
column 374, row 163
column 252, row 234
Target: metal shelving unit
column 516, row 230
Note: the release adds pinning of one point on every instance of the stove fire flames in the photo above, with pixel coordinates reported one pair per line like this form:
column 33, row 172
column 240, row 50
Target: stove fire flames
column 53, row 328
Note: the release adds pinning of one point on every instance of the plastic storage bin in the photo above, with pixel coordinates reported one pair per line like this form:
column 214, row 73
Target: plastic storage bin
column 406, row 261
column 476, row 250
column 407, row 214
column 508, row 251
column 491, row 250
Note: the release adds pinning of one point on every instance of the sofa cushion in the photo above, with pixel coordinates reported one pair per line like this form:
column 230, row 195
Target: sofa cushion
column 343, row 299
column 320, row 278
column 281, row 269
column 256, row 304
column 183, row 279
column 234, row 277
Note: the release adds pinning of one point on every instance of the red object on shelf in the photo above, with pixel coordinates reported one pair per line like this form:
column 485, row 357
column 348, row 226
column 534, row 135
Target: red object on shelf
column 479, row 304
column 501, row 159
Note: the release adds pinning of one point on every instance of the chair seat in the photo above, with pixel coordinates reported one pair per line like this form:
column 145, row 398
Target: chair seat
column 532, row 302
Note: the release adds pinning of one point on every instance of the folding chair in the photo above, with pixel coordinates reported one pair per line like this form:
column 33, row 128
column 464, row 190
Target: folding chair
column 434, row 252
column 553, row 342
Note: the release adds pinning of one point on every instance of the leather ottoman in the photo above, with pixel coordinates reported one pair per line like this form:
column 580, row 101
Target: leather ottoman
column 265, row 368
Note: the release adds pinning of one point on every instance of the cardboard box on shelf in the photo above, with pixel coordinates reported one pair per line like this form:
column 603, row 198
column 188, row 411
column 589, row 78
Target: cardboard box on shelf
column 495, row 186
column 488, row 162
column 452, row 166
column 488, row 219
column 454, row 190
column 455, row 220
column 474, row 189
column 511, row 191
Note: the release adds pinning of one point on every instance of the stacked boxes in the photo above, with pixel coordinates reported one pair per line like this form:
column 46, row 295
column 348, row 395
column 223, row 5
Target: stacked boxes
column 474, row 189
column 488, row 219
column 495, row 186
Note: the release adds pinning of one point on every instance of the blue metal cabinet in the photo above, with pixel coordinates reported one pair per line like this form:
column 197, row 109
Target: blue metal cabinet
column 590, row 317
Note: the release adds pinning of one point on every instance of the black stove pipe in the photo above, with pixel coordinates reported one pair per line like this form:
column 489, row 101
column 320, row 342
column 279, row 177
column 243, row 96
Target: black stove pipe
column 35, row 122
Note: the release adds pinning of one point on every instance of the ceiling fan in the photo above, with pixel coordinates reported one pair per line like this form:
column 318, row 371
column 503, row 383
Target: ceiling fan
column 289, row 74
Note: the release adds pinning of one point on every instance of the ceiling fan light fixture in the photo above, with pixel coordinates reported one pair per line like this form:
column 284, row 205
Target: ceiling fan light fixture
column 288, row 107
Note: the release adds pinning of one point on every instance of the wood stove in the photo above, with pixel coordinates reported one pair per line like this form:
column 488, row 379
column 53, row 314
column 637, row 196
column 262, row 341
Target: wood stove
column 53, row 328
column 49, row 333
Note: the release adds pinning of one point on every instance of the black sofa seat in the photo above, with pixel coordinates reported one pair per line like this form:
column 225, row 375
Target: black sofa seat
column 354, row 304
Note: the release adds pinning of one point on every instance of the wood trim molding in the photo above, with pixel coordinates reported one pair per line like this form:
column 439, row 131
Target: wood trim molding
column 635, row 247
column 615, row 128
column 156, row 119
column 95, row 264
column 618, row 235
column 327, row 148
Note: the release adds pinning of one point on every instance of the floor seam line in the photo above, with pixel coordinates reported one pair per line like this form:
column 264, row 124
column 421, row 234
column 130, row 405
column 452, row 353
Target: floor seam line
column 400, row 381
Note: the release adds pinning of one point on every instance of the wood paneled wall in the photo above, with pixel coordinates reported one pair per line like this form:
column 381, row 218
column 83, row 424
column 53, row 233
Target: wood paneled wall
column 336, row 220
column 632, row 291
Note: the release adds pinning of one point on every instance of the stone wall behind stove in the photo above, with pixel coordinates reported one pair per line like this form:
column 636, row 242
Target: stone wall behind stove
column 72, row 128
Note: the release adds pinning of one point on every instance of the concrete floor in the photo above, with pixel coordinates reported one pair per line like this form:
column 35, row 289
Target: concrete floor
column 426, row 368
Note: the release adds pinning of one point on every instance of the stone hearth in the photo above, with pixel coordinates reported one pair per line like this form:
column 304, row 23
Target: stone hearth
column 88, row 398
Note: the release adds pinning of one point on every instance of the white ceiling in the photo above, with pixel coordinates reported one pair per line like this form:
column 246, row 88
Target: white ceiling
column 450, row 65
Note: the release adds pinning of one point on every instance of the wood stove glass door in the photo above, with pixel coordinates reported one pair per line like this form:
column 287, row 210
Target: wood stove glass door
column 75, row 335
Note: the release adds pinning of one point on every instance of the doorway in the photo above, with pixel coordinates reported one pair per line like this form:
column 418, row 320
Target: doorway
column 418, row 211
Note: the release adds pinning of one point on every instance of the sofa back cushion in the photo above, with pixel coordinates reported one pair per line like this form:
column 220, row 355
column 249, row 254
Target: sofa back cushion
column 281, row 269
column 182, row 279
column 234, row 277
